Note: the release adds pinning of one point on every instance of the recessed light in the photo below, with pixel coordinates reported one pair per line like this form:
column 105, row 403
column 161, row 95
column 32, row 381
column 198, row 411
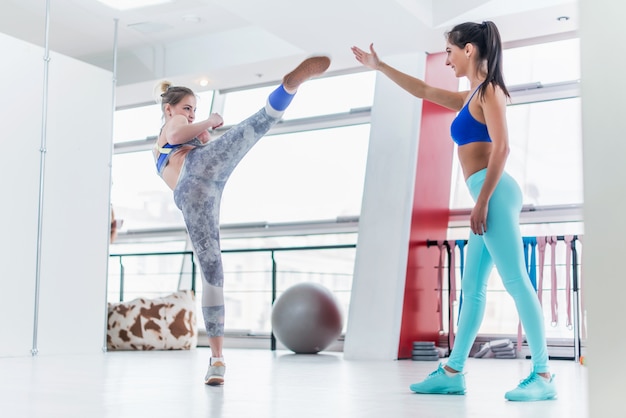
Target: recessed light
column 562, row 18
column 191, row 19
column 149, row 27
column 132, row 4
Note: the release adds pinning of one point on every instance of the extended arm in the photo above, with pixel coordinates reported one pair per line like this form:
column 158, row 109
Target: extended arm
column 418, row 88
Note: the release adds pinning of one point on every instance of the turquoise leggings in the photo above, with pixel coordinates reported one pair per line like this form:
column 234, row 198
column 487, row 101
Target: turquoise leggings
column 500, row 245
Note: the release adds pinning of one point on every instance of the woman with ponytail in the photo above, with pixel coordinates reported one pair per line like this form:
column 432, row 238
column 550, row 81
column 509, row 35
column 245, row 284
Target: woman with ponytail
column 474, row 51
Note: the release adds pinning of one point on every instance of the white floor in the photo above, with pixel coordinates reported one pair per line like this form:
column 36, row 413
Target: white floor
column 261, row 383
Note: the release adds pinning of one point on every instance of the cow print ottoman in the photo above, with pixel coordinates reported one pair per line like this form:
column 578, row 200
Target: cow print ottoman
column 165, row 323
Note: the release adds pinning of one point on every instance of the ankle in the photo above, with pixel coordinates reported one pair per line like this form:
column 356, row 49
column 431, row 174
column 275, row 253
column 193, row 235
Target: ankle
column 449, row 370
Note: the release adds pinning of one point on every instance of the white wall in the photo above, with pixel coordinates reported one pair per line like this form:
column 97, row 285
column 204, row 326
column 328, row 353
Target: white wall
column 377, row 296
column 603, row 88
column 74, row 240
column 21, row 89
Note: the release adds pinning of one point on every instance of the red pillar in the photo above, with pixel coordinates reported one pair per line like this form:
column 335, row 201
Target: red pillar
column 431, row 208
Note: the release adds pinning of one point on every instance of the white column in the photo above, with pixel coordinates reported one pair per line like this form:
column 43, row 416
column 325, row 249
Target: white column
column 375, row 313
column 22, row 86
column 72, row 311
column 75, row 217
column 603, row 89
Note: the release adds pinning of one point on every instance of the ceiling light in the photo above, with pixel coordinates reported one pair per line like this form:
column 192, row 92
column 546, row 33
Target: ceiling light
column 562, row 18
column 132, row 4
column 149, row 27
column 191, row 19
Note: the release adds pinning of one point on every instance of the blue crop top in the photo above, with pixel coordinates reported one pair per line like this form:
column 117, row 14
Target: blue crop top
column 167, row 150
column 466, row 129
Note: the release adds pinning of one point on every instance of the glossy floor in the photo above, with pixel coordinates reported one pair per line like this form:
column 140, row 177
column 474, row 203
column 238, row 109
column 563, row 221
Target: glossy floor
column 261, row 383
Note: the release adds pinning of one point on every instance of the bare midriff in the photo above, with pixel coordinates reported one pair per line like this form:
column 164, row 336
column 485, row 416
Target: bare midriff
column 473, row 157
column 174, row 164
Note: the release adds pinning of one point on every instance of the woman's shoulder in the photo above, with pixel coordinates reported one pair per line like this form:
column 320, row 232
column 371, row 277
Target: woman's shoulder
column 494, row 91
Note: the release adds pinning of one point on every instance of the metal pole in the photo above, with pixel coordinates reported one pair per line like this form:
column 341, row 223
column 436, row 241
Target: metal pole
column 42, row 167
column 193, row 274
column 121, row 280
column 576, row 298
column 113, row 88
column 272, row 336
column 449, row 249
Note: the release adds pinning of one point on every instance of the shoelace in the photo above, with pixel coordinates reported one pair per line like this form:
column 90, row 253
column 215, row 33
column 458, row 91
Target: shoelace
column 436, row 372
column 530, row 379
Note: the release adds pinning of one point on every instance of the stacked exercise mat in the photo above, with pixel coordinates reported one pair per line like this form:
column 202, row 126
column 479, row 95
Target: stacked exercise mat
column 425, row 351
column 503, row 348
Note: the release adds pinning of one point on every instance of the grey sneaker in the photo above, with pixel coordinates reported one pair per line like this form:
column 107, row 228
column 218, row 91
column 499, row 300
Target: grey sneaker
column 215, row 374
column 307, row 69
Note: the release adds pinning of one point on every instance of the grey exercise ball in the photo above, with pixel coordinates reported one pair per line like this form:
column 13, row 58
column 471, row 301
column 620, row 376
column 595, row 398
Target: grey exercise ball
column 306, row 318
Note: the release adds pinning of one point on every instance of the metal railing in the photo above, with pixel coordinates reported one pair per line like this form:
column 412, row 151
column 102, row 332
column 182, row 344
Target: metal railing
column 122, row 270
column 274, row 272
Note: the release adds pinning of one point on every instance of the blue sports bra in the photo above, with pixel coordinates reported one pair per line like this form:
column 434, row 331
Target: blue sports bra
column 167, row 150
column 466, row 129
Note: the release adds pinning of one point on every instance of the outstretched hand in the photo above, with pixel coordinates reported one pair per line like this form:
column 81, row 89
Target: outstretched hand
column 368, row 59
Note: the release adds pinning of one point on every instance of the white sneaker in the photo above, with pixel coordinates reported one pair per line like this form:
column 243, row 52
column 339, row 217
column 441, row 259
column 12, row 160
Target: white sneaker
column 215, row 374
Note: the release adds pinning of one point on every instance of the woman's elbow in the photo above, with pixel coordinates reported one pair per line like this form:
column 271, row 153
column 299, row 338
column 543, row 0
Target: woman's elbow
column 502, row 148
column 500, row 151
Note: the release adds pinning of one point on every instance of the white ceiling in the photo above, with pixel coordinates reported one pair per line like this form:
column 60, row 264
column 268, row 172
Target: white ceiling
column 242, row 42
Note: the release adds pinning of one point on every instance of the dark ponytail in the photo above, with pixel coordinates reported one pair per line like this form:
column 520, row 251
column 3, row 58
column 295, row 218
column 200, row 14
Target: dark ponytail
column 486, row 37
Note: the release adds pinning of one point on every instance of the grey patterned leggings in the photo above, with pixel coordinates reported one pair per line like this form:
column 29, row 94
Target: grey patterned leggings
column 198, row 195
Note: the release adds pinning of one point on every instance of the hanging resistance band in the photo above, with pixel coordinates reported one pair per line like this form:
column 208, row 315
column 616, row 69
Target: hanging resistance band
column 451, row 292
column 530, row 245
column 541, row 247
column 569, row 240
column 440, row 245
column 461, row 244
column 578, row 287
column 554, row 304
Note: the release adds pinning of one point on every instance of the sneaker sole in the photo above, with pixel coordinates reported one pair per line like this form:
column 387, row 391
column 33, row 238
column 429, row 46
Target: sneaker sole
column 439, row 393
column 460, row 392
column 309, row 68
column 546, row 398
column 214, row 381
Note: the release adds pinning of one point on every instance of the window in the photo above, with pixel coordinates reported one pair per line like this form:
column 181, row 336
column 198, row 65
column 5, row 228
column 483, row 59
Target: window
column 303, row 176
column 546, row 63
column 314, row 98
column 139, row 196
column 305, row 171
